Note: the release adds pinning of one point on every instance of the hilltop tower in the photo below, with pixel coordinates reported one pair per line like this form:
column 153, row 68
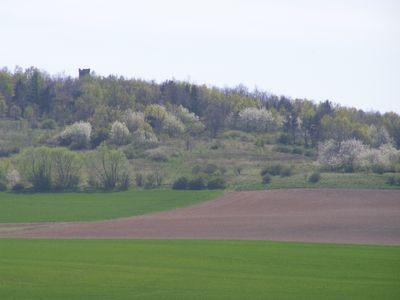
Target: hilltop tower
column 84, row 72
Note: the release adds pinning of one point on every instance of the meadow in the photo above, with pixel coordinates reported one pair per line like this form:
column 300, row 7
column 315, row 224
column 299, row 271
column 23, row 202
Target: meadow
column 174, row 269
column 328, row 180
column 85, row 206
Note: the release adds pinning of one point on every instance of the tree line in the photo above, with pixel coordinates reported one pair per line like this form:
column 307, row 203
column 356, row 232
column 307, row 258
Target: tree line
column 57, row 101
column 60, row 169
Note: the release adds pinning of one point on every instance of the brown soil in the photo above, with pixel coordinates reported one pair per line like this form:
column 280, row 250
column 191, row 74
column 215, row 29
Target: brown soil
column 309, row 215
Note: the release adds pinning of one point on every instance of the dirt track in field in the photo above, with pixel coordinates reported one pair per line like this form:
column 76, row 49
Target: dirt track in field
column 309, row 215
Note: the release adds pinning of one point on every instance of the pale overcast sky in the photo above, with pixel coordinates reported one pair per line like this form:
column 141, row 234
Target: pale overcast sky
column 347, row 51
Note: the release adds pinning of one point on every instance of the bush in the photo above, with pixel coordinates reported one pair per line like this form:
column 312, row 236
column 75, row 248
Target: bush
column 197, row 184
column 286, row 171
column 47, row 168
column 154, row 180
column 222, row 170
column 266, row 178
column 216, row 183
column 238, row 135
column 378, row 169
column 259, row 143
column 297, row 150
column 384, row 159
column 19, row 187
column 3, row 186
column 275, row 169
column 13, row 178
column 35, row 165
column 144, row 138
column 77, row 135
column 8, row 151
column 124, row 182
column 238, row 170
column 149, row 182
column 119, row 133
column 394, row 180
column 180, row 184
column 255, row 119
column 282, row 149
column 210, row 169
column 157, row 154
column 272, row 169
column 352, row 155
column 139, row 180
column 309, row 153
column 196, row 169
column 192, row 123
column 3, row 175
column 66, row 168
column 132, row 152
column 314, row 177
column 172, row 125
column 216, row 145
column 155, row 115
column 284, row 138
column 134, row 120
column 108, row 168
column 48, row 124
column 99, row 136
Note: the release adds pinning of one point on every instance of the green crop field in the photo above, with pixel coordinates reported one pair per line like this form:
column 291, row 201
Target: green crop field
column 137, row 269
column 93, row 206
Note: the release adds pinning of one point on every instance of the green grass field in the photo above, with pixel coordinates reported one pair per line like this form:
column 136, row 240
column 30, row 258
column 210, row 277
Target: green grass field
column 328, row 180
column 93, row 206
column 137, row 269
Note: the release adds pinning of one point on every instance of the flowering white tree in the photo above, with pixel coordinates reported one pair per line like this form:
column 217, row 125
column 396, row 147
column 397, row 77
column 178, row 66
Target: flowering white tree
column 185, row 115
column 349, row 152
column 191, row 121
column 13, row 178
column 379, row 136
column 119, row 133
column 192, row 124
column 382, row 159
column 77, row 135
column 255, row 119
column 134, row 120
column 351, row 155
column 327, row 154
column 172, row 125
column 142, row 137
column 162, row 120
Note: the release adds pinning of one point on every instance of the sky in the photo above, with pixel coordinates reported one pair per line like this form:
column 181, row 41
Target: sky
column 347, row 51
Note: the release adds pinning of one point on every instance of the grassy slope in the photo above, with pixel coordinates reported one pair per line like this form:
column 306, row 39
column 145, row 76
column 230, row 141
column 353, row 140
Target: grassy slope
column 93, row 206
column 235, row 153
column 134, row 269
column 328, row 180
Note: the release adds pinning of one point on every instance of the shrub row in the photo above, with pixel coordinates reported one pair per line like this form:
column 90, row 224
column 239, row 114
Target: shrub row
column 149, row 181
column 208, row 169
column 45, row 169
column 276, row 169
column 199, row 183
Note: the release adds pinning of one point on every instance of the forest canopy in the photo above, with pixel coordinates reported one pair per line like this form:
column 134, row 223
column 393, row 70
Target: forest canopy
column 113, row 106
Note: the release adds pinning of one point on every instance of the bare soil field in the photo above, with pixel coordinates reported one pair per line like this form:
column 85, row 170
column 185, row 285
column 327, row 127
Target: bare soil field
column 309, row 215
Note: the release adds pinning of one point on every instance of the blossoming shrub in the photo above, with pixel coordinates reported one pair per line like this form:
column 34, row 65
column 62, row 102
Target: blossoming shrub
column 119, row 133
column 255, row 119
column 352, row 155
column 77, row 135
